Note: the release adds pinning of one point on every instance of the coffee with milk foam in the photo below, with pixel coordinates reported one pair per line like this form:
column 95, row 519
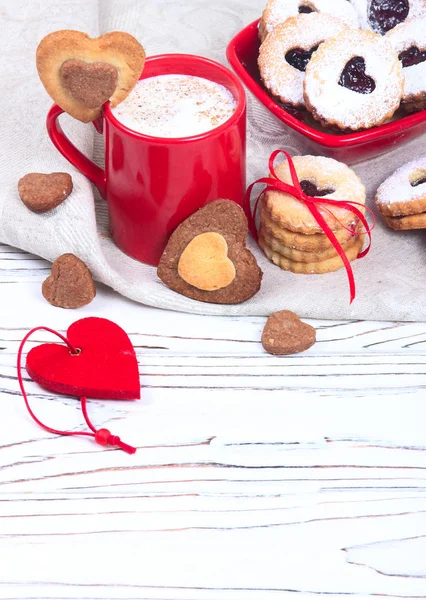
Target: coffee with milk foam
column 173, row 106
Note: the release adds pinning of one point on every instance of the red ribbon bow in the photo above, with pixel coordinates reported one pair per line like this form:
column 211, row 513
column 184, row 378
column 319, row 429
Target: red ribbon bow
column 274, row 183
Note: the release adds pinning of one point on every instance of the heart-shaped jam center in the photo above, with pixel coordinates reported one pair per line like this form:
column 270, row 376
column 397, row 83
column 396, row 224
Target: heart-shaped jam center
column 418, row 177
column 412, row 56
column 204, row 263
column 299, row 58
column 354, row 77
column 92, row 84
column 305, row 9
column 310, row 189
column 386, row 14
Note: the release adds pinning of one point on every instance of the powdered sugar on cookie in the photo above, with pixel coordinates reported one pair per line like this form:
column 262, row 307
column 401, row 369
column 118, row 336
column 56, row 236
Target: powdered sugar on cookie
column 404, row 37
column 399, row 188
column 336, row 105
column 381, row 16
column 278, row 11
column 283, row 75
column 326, row 174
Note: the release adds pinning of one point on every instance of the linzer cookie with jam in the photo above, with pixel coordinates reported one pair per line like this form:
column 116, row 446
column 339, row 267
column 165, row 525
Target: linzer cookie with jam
column 409, row 42
column 289, row 234
column 206, row 258
column 401, row 199
column 319, row 177
column 82, row 73
column 354, row 82
column 295, row 40
column 382, row 16
column 278, row 11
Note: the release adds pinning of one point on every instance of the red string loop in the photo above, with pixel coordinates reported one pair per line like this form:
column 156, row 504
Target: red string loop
column 274, row 183
column 107, row 438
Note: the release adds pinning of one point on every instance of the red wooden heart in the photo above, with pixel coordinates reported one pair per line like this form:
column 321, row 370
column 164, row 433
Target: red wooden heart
column 106, row 367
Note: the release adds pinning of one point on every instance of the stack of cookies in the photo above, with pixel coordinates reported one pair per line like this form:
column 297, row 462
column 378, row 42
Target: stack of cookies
column 291, row 237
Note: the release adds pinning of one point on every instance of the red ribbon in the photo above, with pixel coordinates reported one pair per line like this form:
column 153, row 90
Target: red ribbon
column 103, row 436
column 274, row 183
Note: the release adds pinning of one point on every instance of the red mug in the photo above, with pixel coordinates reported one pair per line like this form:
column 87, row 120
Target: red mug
column 152, row 184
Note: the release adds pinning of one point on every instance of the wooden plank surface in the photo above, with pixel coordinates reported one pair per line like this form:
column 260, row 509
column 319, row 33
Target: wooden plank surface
column 256, row 477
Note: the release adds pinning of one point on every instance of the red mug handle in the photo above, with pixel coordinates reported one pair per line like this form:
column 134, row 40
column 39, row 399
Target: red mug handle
column 86, row 166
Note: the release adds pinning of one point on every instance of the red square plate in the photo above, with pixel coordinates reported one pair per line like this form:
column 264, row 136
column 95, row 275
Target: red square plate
column 242, row 52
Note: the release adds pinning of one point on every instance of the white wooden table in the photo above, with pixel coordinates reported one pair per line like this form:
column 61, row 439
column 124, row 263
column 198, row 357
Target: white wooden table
column 256, row 477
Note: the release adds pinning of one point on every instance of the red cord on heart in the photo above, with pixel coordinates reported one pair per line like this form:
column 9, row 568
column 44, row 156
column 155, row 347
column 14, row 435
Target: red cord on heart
column 102, row 436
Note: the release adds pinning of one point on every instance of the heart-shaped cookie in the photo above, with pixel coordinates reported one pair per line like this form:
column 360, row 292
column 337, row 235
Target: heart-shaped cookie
column 82, row 73
column 104, row 367
column 70, row 283
column 204, row 263
column 285, row 333
column 41, row 192
column 206, row 257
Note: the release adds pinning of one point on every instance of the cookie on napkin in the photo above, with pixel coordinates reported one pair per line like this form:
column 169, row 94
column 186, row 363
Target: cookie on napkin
column 206, row 258
column 81, row 73
column 41, row 192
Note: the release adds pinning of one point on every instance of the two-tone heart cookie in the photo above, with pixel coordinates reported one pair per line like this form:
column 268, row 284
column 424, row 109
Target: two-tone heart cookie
column 82, row 73
column 207, row 259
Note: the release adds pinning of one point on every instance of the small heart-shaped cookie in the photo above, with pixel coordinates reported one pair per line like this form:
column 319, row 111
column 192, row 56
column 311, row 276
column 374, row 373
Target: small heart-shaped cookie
column 70, row 284
column 81, row 73
column 205, row 264
column 206, row 257
column 41, row 192
column 285, row 333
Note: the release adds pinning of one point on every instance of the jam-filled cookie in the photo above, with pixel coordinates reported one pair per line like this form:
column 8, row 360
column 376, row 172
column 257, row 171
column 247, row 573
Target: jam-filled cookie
column 287, row 50
column 354, row 82
column 401, row 198
column 319, row 177
column 383, row 15
column 80, row 73
column 409, row 42
column 278, row 11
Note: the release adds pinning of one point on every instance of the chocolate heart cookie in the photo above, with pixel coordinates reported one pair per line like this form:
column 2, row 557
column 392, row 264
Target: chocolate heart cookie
column 285, row 333
column 206, row 257
column 70, row 284
column 41, row 192
column 82, row 73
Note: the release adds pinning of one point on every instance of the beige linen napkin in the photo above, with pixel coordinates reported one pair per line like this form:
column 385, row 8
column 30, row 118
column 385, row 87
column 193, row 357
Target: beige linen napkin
column 390, row 280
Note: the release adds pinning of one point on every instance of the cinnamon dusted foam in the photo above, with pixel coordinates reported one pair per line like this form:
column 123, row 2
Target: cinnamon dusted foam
column 173, row 106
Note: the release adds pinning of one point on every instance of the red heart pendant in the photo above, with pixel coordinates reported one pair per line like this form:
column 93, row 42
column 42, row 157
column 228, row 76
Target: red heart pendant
column 104, row 367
